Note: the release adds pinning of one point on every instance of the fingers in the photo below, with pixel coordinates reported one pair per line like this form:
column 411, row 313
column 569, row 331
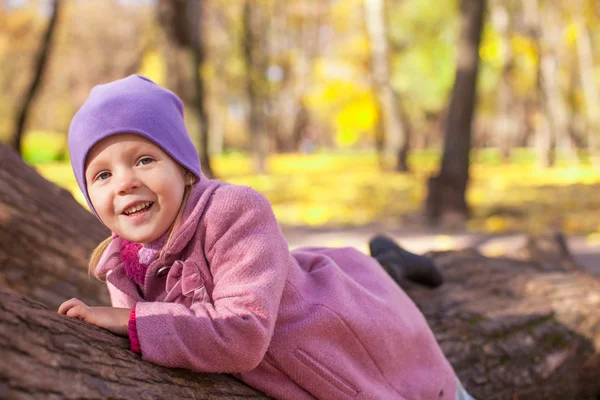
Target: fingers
column 78, row 312
column 69, row 305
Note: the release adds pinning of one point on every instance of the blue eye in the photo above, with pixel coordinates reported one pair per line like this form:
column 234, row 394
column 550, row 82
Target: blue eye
column 102, row 176
column 146, row 160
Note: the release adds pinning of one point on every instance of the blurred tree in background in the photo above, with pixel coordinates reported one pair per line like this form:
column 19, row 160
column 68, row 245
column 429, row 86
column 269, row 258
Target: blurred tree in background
column 39, row 68
column 393, row 118
column 184, row 51
column 349, row 77
column 447, row 190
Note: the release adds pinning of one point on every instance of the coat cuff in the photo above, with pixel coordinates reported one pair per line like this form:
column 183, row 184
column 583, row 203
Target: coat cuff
column 133, row 336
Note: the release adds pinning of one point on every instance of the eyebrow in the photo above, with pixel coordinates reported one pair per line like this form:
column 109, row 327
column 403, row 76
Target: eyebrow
column 92, row 169
column 137, row 148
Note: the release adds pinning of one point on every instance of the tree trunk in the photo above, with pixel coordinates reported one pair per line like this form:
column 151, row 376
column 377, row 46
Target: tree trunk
column 255, row 70
column 511, row 328
column 515, row 329
column 197, row 21
column 293, row 119
column 394, row 120
column 527, row 108
column 590, row 88
column 46, row 355
column 555, row 108
column 505, row 128
column 550, row 89
column 446, row 197
column 185, row 52
column 544, row 140
column 46, row 237
column 40, row 67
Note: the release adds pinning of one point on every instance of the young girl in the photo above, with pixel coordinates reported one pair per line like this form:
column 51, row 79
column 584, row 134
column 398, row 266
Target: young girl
column 200, row 275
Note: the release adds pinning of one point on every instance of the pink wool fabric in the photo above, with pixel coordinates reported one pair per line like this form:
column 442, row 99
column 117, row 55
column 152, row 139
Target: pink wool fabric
column 135, row 259
column 317, row 323
column 134, row 269
column 133, row 336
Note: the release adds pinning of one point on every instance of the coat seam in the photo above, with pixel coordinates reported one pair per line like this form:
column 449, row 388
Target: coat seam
column 322, row 370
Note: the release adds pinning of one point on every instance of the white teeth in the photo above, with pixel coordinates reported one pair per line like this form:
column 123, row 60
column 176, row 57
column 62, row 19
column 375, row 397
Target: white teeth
column 139, row 207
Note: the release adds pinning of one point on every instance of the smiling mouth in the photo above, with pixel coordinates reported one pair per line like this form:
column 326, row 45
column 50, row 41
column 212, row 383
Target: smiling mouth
column 140, row 208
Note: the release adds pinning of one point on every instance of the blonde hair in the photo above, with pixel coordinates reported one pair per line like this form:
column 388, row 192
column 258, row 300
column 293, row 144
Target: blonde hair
column 189, row 180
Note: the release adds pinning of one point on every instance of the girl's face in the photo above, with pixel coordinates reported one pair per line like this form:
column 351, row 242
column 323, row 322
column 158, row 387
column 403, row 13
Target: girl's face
column 135, row 187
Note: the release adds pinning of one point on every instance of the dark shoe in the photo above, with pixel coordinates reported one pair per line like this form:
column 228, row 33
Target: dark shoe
column 400, row 263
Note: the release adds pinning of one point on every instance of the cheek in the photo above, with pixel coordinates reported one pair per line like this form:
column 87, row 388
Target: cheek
column 170, row 188
column 173, row 197
column 100, row 202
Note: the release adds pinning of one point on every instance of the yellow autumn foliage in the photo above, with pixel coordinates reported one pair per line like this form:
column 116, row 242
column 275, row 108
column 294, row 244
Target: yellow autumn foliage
column 350, row 190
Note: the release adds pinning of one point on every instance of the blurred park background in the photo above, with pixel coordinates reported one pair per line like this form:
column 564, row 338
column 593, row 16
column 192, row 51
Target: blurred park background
column 456, row 117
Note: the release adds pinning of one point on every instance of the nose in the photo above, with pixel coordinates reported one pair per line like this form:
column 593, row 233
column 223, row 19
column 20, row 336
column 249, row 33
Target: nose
column 127, row 181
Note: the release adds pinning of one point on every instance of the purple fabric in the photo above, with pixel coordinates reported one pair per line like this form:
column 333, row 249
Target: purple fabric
column 149, row 251
column 136, row 105
column 318, row 323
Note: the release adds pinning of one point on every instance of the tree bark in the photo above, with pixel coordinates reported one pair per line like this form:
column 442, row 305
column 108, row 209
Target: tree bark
column 446, row 198
column 395, row 123
column 40, row 67
column 46, row 237
column 50, row 356
column 516, row 329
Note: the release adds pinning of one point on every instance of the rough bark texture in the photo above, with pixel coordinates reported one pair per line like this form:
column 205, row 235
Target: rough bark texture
column 49, row 356
column 515, row 329
column 46, row 237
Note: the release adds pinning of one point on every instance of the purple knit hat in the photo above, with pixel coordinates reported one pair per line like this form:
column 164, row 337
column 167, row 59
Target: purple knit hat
column 131, row 105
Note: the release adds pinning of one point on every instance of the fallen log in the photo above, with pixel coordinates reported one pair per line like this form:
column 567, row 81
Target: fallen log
column 516, row 329
column 46, row 237
column 50, row 356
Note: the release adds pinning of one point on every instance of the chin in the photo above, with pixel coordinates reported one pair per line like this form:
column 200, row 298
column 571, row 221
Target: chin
column 140, row 238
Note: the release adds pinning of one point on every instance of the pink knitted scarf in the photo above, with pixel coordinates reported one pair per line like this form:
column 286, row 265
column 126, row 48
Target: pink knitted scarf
column 137, row 257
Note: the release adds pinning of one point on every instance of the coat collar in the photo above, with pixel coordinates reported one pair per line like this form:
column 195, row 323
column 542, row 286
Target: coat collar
column 111, row 265
column 192, row 213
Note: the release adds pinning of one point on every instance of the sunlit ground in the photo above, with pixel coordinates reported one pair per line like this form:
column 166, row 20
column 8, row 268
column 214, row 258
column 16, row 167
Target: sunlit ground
column 350, row 189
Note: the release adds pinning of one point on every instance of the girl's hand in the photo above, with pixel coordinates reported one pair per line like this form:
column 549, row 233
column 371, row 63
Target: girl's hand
column 113, row 319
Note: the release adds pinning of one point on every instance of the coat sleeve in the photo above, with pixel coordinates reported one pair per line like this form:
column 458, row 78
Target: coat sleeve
column 119, row 298
column 249, row 261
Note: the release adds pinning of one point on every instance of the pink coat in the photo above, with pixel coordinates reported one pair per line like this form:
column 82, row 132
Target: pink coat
column 226, row 295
